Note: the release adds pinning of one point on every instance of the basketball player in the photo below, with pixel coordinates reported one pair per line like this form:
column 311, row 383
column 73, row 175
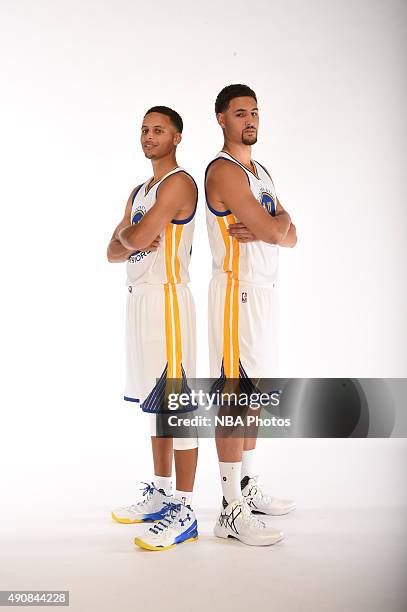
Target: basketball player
column 155, row 239
column 246, row 225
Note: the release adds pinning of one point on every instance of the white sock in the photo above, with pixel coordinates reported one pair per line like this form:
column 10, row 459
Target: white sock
column 230, row 474
column 248, row 463
column 184, row 497
column 163, row 482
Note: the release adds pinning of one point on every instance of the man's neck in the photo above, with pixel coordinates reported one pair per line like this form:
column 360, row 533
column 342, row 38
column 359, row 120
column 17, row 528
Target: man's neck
column 162, row 166
column 241, row 152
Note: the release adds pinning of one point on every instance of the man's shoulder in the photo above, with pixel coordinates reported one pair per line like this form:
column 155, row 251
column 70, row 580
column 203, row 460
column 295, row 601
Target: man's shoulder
column 222, row 168
column 179, row 181
column 182, row 177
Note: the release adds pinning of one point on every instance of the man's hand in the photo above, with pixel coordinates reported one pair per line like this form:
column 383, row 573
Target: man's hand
column 241, row 233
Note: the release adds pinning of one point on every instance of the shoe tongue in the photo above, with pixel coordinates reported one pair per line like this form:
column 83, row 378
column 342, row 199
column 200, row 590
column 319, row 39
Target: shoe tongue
column 244, row 482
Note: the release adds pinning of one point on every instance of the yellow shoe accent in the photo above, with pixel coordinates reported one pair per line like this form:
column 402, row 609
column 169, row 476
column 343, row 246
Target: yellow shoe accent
column 146, row 546
column 129, row 521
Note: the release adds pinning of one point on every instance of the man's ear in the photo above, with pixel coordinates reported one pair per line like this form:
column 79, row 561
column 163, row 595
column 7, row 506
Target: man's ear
column 221, row 120
column 177, row 138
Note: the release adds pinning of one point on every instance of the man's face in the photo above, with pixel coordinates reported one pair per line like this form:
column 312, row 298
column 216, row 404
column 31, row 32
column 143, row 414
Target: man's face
column 240, row 121
column 158, row 136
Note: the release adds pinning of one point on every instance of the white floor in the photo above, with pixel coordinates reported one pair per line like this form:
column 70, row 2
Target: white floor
column 331, row 560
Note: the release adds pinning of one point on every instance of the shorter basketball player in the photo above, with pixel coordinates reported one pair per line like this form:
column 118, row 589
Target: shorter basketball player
column 246, row 225
column 155, row 239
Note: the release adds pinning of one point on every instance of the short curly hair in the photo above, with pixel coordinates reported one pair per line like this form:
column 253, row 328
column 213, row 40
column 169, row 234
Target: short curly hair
column 176, row 119
column 228, row 93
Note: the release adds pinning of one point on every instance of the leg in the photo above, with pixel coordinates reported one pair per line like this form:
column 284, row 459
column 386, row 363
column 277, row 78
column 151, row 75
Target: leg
column 250, row 442
column 230, row 449
column 186, row 459
column 185, row 468
column 162, row 456
column 236, row 520
column 154, row 499
column 250, row 434
column 180, row 524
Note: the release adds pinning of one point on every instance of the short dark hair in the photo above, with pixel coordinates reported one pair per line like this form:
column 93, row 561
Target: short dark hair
column 176, row 119
column 228, row 93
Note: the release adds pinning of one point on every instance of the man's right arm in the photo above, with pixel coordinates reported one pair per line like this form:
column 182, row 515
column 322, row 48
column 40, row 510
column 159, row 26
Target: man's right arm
column 233, row 190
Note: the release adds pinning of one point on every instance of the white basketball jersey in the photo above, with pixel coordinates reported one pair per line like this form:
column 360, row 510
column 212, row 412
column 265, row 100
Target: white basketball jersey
column 252, row 262
column 169, row 263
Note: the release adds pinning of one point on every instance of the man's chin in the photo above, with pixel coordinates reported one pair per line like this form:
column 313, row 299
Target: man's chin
column 247, row 140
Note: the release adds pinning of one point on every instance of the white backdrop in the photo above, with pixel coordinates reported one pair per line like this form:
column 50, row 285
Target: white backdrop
column 78, row 77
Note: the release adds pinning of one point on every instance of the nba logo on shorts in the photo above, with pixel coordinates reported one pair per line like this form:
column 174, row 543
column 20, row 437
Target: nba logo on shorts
column 244, row 297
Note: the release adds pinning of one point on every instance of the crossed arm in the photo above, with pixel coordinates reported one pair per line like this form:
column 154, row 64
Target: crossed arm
column 145, row 235
column 229, row 188
column 243, row 234
column 116, row 252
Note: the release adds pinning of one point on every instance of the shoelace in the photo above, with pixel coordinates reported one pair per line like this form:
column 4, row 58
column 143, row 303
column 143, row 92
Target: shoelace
column 248, row 517
column 148, row 491
column 256, row 491
column 172, row 511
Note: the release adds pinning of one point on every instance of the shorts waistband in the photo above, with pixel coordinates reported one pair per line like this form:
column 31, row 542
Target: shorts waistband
column 148, row 287
column 222, row 277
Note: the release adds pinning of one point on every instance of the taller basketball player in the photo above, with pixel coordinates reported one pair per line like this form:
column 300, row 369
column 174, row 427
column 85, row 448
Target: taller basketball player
column 246, row 225
column 155, row 239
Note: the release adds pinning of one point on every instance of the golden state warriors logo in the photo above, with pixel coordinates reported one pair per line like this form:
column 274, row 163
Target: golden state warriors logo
column 267, row 201
column 138, row 215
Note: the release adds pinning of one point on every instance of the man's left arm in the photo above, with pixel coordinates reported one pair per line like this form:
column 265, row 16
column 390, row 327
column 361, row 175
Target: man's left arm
column 175, row 190
column 243, row 234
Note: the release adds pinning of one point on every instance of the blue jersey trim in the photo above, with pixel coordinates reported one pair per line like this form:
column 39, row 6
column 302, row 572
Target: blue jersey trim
column 137, row 189
column 265, row 169
column 131, row 399
column 188, row 219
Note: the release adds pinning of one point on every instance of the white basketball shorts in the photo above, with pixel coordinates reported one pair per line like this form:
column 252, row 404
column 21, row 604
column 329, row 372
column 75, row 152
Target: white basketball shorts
column 160, row 341
column 243, row 324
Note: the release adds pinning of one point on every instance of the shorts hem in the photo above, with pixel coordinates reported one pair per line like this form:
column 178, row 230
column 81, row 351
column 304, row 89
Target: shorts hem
column 131, row 399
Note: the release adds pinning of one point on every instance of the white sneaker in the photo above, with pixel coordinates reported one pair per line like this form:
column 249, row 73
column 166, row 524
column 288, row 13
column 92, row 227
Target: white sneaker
column 236, row 521
column 153, row 507
column 180, row 525
column 261, row 503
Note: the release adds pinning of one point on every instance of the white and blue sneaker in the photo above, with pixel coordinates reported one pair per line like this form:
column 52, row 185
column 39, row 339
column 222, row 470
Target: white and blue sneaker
column 152, row 508
column 236, row 521
column 177, row 527
column 261, row 503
